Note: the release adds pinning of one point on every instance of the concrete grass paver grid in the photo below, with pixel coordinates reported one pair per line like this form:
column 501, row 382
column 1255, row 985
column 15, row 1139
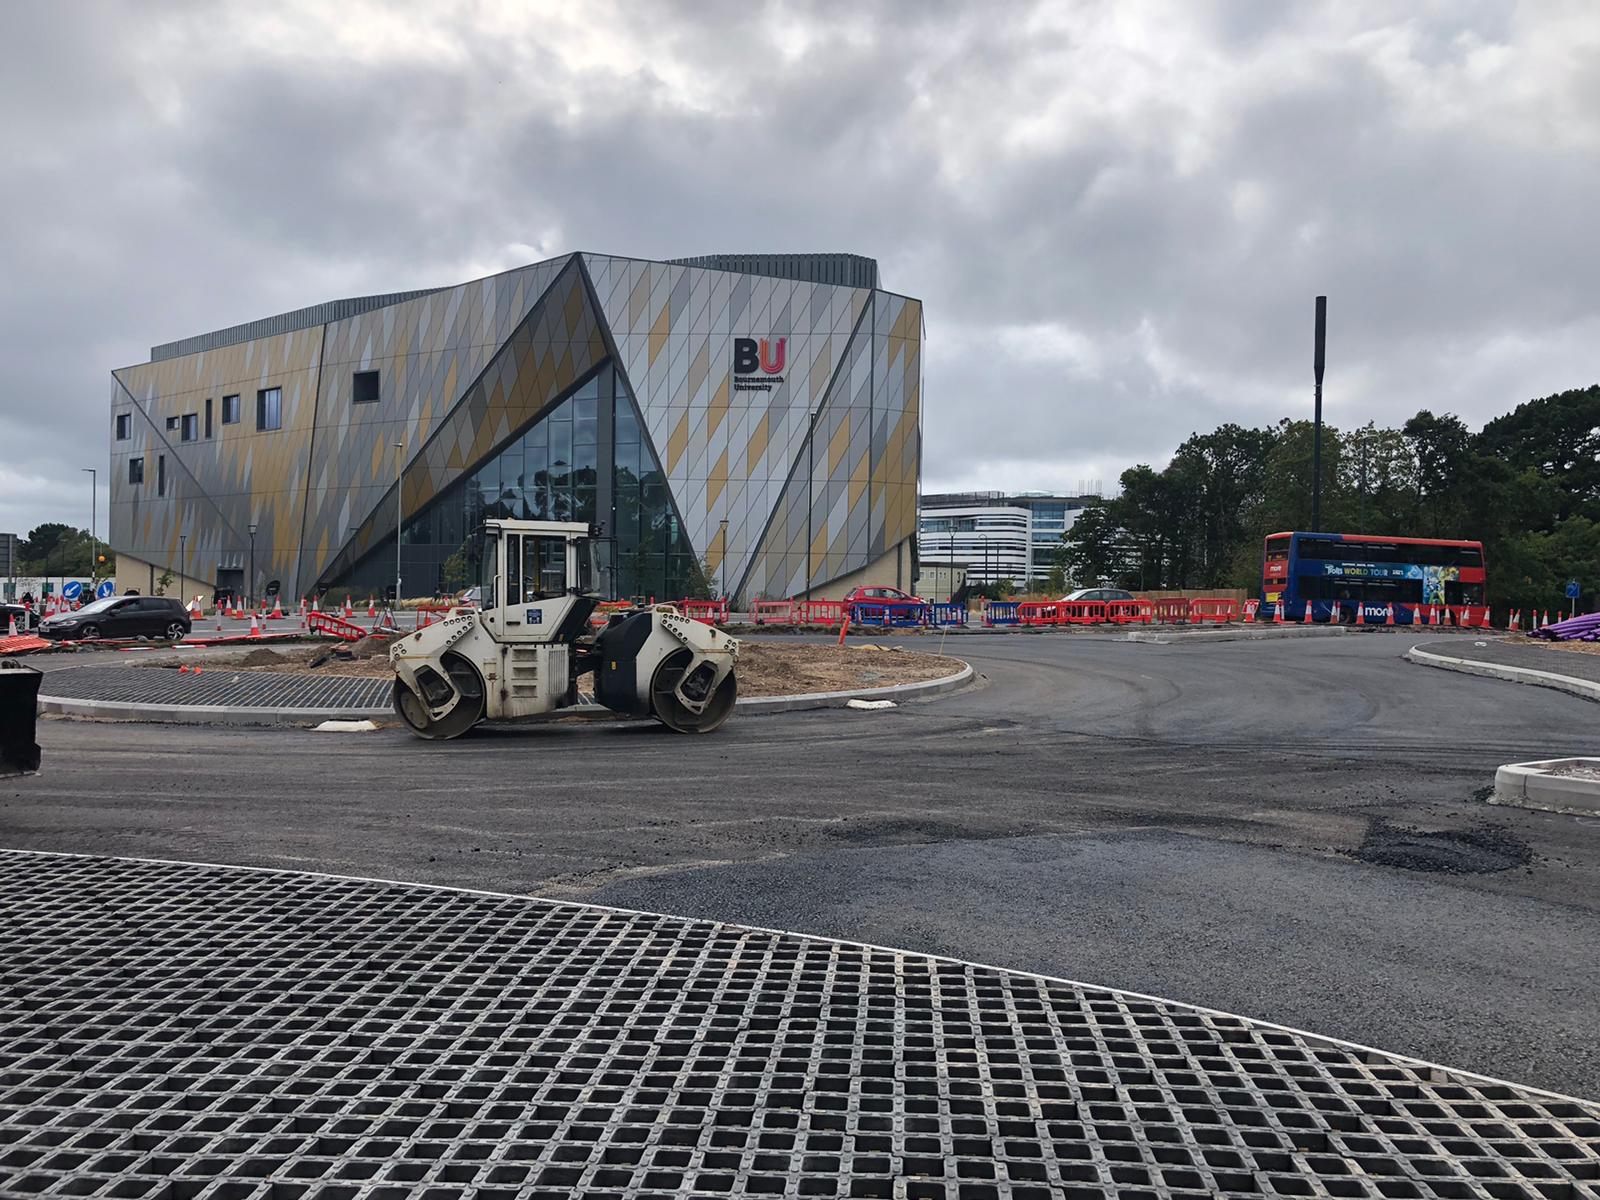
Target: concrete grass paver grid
column 232, row 688
column 178, row 1030
column 1512, row 654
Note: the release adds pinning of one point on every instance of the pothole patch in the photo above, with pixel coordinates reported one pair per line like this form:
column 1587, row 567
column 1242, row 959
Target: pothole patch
column 1481, row 850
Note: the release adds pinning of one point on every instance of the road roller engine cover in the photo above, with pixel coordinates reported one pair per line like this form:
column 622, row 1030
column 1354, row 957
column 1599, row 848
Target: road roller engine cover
column 520, row 654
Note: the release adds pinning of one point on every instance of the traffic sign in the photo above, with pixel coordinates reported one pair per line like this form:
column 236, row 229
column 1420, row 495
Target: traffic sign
column 107, row 587
column 1572, row 589
column 72, row 589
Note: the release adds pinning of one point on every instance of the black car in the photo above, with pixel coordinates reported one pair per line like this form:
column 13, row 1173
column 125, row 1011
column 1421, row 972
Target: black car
column 121, row 617
column 25, row 618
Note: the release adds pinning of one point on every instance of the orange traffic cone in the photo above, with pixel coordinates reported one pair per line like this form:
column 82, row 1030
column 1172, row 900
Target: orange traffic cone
column 372, row 606
column 255, row 625
column 277, row 610
column 348, row 611
column 1388, row 614
column 13, row 630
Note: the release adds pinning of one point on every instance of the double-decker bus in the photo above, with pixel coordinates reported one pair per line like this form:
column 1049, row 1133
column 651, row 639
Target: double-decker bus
column 1329, row 576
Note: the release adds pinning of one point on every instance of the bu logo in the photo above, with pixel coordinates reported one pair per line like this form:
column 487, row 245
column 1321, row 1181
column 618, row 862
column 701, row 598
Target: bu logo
column 769, row 358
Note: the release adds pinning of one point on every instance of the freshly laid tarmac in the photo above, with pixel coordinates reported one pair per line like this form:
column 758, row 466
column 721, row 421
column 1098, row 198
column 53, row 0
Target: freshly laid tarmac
column 1291, row 830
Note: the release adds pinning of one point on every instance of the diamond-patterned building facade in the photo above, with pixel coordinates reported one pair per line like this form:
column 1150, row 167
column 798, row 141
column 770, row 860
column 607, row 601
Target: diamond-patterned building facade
column 750, row 423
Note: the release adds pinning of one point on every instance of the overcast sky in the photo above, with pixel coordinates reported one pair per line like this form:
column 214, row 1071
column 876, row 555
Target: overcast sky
column 1116, row 214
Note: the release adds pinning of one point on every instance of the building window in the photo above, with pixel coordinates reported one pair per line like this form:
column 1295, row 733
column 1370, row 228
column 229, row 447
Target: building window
column 136, row 470
column 208, row 416
column 161, row 474
column 190, row 427
column 269, row 408
column 364, row 387
column 230, row 410
column 172, row 423
column 124, row 426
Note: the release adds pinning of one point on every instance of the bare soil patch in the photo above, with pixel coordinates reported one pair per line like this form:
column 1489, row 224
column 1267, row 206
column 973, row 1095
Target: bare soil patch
column 766, row 670
column 763, row 670
column 1569, row 647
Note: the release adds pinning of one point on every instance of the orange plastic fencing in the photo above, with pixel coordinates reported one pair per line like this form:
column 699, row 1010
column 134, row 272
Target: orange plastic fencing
column 1219, row 611
column 1041, row 612
column 1083, row 612
column 819, row 612
column 707, row 612
column 604, row 610
column 335, row 626
column 23, row 643
column 774, row 612
column 1130, row 612
column 1173, row 610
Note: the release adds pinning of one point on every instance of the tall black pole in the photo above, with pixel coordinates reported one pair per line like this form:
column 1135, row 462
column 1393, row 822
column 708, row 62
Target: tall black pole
column 1316, row 436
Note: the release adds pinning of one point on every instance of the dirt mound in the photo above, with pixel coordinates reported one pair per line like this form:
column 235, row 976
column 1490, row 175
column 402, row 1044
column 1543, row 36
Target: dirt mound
column 371, row 647
column 773, row 670
column 264, row 658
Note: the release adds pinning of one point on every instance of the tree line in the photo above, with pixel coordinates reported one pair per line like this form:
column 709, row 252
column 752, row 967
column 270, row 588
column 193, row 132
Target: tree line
column 1527, row 485
column 54, row 549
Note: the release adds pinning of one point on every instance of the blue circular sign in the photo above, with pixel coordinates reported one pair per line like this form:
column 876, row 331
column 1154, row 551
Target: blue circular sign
column 72, row 589
column 106, row 588
column 1572, row 589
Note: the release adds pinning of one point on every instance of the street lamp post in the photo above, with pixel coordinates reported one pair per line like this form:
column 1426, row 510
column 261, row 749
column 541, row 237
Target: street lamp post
column 94, row 544
column 250, row 588
column 722, row 561
column 399, row 513
column 183, row 561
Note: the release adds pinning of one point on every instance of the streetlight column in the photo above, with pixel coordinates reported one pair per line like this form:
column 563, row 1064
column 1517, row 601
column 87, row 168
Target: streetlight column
column 722, row 561
column 399, row 513
column 94, row 544
column 183, row 561
column 250, row 587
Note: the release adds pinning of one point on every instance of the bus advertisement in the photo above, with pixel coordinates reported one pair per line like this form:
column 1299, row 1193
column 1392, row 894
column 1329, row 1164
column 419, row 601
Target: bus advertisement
column 1336, row 576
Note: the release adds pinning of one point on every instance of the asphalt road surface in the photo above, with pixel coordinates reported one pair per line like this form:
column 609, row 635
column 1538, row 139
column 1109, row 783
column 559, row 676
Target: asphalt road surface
column 1244, row 825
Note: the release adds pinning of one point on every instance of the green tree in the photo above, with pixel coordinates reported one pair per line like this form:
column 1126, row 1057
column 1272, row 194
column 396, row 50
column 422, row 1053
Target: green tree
column 1220, row 480
column 44, row 540
column 1093, row 548
column 455, row 570
column 1558, row 438
column 61, row 550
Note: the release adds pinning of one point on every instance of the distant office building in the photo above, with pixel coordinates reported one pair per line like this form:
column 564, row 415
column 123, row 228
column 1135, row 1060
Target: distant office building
column 997, row 535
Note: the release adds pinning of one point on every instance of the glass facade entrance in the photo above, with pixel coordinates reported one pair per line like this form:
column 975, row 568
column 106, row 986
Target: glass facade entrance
column 585, row 458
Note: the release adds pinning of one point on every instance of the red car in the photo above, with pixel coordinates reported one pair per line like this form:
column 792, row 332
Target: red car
column 901, row 608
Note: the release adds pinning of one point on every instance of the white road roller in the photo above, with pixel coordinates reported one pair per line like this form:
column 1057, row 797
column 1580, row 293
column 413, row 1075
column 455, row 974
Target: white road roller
column 520, row 653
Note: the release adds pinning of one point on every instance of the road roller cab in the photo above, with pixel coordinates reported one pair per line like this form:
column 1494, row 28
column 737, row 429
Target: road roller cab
column 522, row 652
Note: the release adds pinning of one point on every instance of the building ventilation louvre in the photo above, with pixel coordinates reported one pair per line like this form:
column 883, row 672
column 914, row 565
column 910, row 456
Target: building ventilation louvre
column 300, row 318
column 845, row 270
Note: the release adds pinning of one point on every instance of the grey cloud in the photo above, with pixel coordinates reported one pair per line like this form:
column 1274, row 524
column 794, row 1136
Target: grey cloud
column 1199, row 178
